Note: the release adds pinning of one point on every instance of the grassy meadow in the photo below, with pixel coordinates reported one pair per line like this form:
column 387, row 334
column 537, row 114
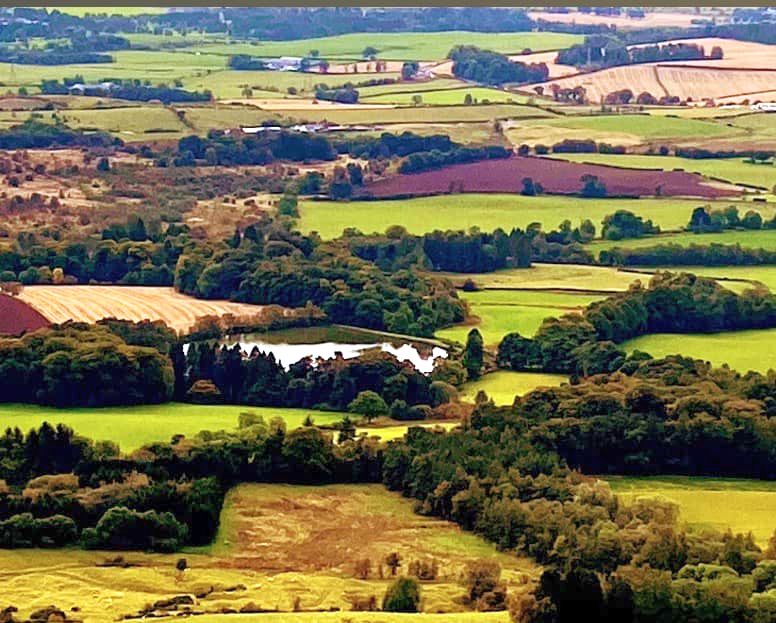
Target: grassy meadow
column 276, row 543
column 400, row 46
column 446, row 97
column 499, row 312
column 755, row 239
column 618, row 129
column 132, row 427
column 504, row 385
column 719, row 503
column 741, row 350
column 575, row 278
column 735, row 170
column 486, row 211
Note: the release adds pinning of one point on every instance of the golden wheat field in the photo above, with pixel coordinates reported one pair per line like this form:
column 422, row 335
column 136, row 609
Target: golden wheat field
column 92, row 303
column 684, row 81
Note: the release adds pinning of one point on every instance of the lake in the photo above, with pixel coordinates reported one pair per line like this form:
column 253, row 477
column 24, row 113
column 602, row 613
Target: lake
column 292, row 345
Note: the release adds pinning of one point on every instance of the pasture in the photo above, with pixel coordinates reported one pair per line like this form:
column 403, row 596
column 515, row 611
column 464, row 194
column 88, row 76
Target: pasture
column 504, row 385
column 753, row 239
column 741, row 350
column 486, row 211
column 498, row 312
column 254, row 565
column 574, row 278
column 400, row 46
column 628, row 129
column 91, row 303
column 735, row 170
column 133, row 427
column 719, row 503
column 446, row 97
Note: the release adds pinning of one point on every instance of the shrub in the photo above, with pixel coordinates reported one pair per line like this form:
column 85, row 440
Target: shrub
column 122, row 528
column 402, row 596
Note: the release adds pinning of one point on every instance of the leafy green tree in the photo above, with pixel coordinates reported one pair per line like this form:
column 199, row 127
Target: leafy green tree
column 369, row 404
column 473, row 354
column 402, row 596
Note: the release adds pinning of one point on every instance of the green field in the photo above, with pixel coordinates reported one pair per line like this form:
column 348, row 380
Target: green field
column 447, row 97
column 573, row 277
column 736, row 170
column 436, row 84
column 80, row 11
column 401, row 46
column 618, row 129
column 756, row 239
column 746, row 276
column 504, row 311
column 132, row 427
column 720, row 503
column 488, row 212
column 420, row 114
column 503, row 386
column 741, row 350
column 227, row 84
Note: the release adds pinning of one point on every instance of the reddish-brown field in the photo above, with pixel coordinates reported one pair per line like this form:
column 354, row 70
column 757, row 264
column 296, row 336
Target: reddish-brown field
column 17, row 317
column 555, row 176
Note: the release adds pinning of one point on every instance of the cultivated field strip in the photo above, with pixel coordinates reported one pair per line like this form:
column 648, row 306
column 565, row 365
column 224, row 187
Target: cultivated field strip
column 92, row 303
column 685, row 81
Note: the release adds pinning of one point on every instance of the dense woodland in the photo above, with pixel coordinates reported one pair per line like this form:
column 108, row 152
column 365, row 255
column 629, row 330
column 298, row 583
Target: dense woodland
column 472, row 63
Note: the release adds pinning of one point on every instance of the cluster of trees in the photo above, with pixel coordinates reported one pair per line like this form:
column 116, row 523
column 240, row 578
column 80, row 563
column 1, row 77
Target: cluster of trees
column 35, row 134
column 487, row 67
column 388, row 145
column 712, row 254
column 372, row 384
column 427, row 160
column 57, row 488
column 133, row 90
column 600, row 51
column 134, row 253
column 253, row 149
column 88, row 365
column 625, row 224
column 474, row 251
column 268, row 264
column 449, row 251
column 343, row 95
column 707, row 220
column 586, row 343
column 503, row 475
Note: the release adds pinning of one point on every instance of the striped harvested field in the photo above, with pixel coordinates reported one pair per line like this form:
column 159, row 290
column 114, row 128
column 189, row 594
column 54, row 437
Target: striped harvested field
column 659, row 79
column 92, row 303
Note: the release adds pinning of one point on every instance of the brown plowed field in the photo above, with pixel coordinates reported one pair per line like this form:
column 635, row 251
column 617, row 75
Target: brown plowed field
column 737, row 54
column 91, row 303
column 556, row 176
column 17, row 317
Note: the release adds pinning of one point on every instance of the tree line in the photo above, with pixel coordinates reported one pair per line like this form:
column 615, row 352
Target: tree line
column 487, row 67
column 586, row 343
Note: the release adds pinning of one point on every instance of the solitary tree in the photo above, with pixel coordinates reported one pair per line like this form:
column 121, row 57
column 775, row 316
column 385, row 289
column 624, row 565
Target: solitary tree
column 393, row 562
column 473, row 354
column 402, row 596
column 369, row 404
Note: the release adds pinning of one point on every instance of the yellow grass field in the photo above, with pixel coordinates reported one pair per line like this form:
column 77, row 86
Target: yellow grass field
column 652, row 19
column 661, row 79
column 739, row 54
column 92, row 303
column 276, row 544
